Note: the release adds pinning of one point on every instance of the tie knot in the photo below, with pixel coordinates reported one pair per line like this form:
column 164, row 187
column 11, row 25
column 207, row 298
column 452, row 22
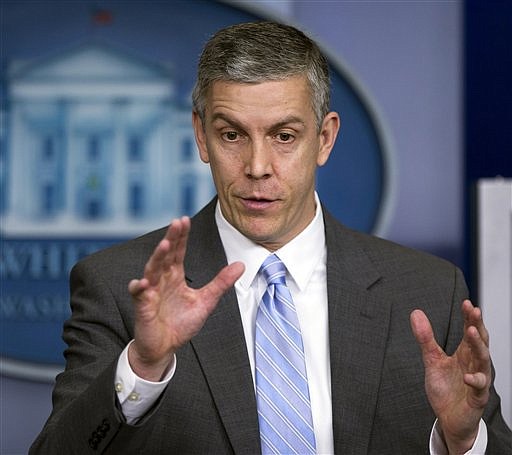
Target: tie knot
column 273, row 270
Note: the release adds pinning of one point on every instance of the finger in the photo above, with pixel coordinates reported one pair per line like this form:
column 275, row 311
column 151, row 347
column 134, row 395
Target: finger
column 164, row 255
column 181, row 241
column 135, row 287
column 480, row 357
column 172, row 234
column 478, row 381
column 473, row 317
column 479, row 384
column 156, row 263
column 424, row 335
column 224, row 280
column 177, row 235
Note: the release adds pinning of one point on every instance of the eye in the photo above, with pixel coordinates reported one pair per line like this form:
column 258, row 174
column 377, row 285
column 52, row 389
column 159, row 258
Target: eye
column 285, row 137
column 230, row 136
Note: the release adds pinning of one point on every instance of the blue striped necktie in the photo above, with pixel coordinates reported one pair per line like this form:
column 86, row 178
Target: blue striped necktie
column 284, row 409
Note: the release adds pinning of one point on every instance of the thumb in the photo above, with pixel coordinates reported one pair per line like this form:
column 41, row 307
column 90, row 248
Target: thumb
column 422, row 330
column 224, row 280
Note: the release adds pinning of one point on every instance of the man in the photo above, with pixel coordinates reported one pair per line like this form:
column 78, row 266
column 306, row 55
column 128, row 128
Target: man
column 172, row 362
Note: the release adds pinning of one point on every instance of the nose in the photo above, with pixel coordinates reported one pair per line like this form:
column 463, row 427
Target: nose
column 258, row 163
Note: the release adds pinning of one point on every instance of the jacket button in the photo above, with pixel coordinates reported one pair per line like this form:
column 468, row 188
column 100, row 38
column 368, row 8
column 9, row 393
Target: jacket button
column 93, row 443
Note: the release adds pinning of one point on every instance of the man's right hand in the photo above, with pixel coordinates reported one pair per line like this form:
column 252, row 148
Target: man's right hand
column 168, row 313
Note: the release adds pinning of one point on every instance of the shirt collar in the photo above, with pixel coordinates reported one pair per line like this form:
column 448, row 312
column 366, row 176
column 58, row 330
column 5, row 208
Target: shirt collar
column 300, row 256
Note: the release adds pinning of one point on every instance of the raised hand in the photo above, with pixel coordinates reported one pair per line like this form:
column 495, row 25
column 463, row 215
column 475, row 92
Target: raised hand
column 168, row 313
column 457, row 386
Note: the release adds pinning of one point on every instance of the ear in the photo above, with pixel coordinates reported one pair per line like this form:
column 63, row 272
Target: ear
column 330, row 127
column 200, row 137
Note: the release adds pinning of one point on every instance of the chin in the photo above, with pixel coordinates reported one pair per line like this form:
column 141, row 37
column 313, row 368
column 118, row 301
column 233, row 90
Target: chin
column 264, row 238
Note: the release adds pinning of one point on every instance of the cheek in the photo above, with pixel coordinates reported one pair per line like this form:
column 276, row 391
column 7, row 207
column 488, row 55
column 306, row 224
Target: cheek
column 224, row 171
column 300, row 170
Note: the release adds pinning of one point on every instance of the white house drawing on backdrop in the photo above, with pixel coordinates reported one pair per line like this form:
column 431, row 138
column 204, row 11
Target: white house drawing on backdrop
column 97, row 143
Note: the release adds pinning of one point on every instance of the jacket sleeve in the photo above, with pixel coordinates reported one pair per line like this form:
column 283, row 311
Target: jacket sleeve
column 85, row 416
column 499, row 435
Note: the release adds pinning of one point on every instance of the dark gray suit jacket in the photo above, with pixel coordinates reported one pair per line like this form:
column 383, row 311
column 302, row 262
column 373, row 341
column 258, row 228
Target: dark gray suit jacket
column 378, row 399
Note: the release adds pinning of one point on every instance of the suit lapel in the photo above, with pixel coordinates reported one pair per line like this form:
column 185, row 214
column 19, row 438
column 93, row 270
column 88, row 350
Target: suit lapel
column 358, row 327
column 220, row 346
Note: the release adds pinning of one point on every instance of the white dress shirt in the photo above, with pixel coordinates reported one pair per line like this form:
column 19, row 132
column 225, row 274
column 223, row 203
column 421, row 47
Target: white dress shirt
column 305, row 260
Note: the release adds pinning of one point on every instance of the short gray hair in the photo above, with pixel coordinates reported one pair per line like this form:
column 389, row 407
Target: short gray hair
column 255, row 52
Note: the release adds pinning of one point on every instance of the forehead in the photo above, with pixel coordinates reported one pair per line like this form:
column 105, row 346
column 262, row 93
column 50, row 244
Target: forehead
column 277, row 97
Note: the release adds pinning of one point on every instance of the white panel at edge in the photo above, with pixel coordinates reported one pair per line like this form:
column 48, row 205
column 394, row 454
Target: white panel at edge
column 495, row 278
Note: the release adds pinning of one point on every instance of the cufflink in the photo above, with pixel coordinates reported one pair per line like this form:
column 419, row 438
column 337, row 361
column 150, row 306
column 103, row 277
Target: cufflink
column 134, row 396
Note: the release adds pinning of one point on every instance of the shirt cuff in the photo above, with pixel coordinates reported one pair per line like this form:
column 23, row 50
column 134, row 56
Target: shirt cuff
column 438, row 446
column 136, row 395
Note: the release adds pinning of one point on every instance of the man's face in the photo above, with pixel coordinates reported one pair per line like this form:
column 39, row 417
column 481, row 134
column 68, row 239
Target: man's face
column 263, row 146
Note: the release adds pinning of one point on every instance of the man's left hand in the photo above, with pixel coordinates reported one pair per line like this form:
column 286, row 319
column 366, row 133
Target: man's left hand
column 457, row 386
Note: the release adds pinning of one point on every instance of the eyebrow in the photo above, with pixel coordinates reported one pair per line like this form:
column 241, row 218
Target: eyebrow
column 227, row 119
column 292, row 119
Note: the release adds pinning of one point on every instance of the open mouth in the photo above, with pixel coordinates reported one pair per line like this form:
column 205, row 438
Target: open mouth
column 257, row 203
